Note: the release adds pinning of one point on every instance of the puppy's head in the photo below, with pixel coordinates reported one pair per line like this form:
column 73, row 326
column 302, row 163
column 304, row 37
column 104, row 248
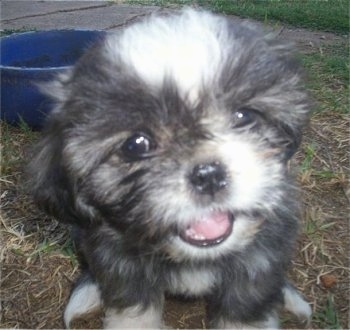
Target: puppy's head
column 174, row 132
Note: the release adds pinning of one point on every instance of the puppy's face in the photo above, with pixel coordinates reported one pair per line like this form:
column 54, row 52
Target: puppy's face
column 176, row 133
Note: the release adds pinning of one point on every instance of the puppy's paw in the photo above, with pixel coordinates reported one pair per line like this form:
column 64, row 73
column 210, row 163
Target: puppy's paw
column 133, row 318
column 295, row 303
column 85, row 298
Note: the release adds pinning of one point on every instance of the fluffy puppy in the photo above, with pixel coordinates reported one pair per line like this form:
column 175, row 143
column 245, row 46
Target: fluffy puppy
column 167, row 151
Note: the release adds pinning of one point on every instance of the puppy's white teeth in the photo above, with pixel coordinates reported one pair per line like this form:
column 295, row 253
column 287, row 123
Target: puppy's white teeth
column 209, row 230
column 191, row 233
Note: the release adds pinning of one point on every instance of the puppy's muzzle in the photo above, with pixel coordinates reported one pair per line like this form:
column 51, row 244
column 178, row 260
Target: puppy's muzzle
column 208, row 178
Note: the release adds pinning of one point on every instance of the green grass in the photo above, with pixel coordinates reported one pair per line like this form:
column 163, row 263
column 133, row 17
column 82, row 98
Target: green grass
column 7, row 32
column 328, row 76
column 52, row 247
column 11, row 154
column 328, row 316
column 309, row 154
column 331, row 15
column 313, row 228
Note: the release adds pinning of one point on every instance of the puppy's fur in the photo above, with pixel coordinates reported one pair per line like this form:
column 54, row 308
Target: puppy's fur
column 167, row 151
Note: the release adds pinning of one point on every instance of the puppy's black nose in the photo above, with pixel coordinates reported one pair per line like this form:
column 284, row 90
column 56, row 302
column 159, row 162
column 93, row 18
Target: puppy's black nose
column 208, row 178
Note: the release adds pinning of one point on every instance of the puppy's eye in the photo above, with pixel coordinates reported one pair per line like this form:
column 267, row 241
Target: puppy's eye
column 138, row 146
column 243, row 117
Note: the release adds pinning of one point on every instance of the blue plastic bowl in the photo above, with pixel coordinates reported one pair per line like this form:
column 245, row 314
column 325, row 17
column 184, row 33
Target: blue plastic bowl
column 33, row 57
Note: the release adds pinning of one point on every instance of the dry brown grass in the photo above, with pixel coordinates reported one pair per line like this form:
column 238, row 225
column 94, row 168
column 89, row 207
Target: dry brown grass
column 324, row 243
column 38, row 269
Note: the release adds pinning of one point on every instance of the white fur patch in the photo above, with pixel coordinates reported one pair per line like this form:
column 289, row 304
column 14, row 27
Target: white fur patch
column 271, row 322
column 84, row 299
column 252, row 175
column 193, row 282
column 133, row 318
column 186, row 48
column 294, row 303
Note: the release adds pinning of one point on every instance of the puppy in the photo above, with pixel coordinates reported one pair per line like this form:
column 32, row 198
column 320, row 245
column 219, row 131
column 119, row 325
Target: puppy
column 167, row 152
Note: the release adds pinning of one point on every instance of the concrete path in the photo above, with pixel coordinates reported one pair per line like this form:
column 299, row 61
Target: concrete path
column 46, row 15
column 111, row 15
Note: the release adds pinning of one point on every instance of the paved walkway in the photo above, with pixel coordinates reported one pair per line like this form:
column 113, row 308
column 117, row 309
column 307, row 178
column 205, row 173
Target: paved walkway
column 111, row 15
column 46, row 15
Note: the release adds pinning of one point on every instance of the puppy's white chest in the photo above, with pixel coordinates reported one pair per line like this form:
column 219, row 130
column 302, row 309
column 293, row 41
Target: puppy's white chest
column 193, row 282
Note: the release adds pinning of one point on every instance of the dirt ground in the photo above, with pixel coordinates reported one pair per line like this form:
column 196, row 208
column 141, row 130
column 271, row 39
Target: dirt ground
column 38, row 267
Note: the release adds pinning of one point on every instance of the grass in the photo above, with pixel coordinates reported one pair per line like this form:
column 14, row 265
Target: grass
column 321, row 15
column 313, row 226
column 309, row 154
column 328, row 76
column 328, row 316
column 7, row 32
column 11, row 156
column 49, row 246
column 332, row 15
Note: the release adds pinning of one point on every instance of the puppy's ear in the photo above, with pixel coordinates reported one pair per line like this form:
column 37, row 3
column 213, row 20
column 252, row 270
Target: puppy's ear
column 48, row 182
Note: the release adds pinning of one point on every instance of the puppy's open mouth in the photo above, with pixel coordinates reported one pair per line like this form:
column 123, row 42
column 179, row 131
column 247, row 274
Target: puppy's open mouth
column 209, row 230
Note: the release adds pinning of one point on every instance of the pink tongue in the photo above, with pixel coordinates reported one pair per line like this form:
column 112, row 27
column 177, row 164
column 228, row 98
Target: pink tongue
column 210, row 227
